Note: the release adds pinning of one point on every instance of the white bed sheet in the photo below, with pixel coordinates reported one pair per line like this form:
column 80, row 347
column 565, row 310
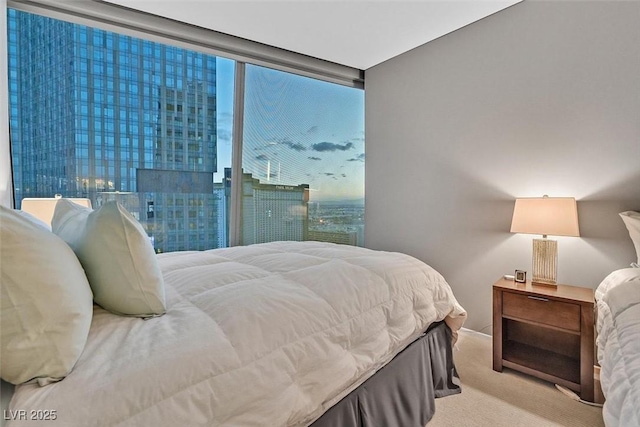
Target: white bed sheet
column 618, row 342
column 264, row 335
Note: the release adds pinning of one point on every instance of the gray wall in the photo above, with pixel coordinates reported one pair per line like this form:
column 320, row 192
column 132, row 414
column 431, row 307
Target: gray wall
column 541, row 98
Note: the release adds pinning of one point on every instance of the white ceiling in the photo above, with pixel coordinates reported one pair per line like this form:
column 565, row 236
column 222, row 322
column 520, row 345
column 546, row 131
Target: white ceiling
column 357, row 33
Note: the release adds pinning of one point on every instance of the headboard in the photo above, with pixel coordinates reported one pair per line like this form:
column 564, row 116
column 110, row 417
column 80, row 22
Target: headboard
column 42, row 208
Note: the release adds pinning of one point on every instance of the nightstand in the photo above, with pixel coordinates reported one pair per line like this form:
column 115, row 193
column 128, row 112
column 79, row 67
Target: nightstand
column 546, row 332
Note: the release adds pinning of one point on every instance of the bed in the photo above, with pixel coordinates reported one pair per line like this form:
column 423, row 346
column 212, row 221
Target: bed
column 618, row 336
column 277, row 334
column 618, row 343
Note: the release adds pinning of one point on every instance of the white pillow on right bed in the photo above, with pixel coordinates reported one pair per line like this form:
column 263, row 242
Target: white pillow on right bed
column 117, row 256
column 632, row 221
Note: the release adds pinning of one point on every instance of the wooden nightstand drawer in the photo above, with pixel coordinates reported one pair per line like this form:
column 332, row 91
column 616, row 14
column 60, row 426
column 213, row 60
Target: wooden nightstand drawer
column 541, row 310
column 545, row 332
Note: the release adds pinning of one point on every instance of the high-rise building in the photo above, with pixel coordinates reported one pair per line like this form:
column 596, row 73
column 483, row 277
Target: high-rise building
column 272, row 212
column 107, row 116
column 341, row 237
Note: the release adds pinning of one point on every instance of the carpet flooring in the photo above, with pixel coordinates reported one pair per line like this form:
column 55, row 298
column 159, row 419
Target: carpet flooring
column 508, row 398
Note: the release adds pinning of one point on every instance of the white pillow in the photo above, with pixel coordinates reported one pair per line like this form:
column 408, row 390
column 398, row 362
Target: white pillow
column 632, row 221
column 69, row 221
column 117, row 256
column 47, row 304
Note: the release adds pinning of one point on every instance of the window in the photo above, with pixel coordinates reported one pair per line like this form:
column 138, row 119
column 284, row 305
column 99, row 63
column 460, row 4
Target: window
column 115, row 117
column 101, row 125
column 302, row 159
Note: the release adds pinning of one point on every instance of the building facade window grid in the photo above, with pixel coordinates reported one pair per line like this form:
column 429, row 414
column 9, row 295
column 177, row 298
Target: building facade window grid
column 89, row 111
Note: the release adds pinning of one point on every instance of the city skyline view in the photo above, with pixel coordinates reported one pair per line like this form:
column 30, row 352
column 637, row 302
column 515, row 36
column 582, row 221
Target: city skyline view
column 304, row 131
column 112, row 117
column 298, row 131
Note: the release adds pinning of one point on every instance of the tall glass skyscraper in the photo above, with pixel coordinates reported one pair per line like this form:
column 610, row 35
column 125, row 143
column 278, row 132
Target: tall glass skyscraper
column 106, row 116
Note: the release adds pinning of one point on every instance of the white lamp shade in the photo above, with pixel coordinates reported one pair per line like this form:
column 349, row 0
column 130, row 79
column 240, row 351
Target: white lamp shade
column 42, row 208
column 555, row 216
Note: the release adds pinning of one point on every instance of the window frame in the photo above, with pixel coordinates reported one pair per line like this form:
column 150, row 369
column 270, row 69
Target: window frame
column 123, row 20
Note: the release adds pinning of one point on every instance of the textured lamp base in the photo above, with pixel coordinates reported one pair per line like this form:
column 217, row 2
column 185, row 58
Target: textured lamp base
column 545, row 262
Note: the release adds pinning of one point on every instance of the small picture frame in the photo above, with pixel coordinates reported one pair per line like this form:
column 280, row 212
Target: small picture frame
column 520, row 276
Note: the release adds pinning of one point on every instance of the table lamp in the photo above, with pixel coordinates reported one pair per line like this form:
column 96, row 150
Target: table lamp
column 556, row 216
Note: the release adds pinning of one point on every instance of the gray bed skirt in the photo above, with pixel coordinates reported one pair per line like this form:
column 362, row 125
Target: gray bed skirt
column 403, row 393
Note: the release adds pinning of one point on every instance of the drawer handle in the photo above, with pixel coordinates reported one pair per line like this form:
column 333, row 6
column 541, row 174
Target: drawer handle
column 537, row 298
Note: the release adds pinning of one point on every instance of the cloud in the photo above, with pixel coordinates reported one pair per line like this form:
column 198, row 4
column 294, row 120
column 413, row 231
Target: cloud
column 314, row 158
column 358, row 158
column 312, row 129
column 296, row 146
column 293, row 145
column 262, row 157
column 224, row 135
column 330, row 146
column 225, row 115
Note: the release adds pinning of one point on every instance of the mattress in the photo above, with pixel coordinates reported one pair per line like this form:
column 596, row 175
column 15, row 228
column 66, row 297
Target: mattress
column 270, row 334
column 618, row 342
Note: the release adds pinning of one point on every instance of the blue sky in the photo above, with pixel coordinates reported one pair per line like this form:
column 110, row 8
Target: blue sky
column 297, row 130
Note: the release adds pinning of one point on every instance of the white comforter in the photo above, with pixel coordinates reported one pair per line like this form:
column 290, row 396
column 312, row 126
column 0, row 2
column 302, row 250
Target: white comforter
column 264, row 335
column 618, row 325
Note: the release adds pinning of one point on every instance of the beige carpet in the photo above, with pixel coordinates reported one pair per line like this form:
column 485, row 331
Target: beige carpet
column 507, row 399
